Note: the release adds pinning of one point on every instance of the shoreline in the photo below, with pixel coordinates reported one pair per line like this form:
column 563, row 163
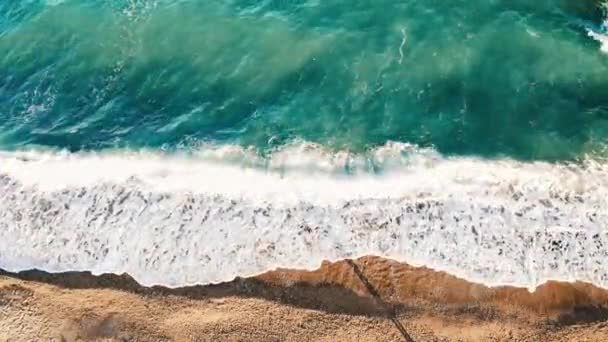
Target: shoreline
column 372, row 291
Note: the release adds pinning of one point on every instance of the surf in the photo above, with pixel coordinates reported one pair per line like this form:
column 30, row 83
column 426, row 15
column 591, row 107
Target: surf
column 192, row 219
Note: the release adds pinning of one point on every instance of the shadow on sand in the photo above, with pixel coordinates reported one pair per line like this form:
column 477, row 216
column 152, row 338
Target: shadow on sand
column 365, row 299
column 326, row 297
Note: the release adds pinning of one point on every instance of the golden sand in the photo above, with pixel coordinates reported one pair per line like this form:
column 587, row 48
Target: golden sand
column 369, row 299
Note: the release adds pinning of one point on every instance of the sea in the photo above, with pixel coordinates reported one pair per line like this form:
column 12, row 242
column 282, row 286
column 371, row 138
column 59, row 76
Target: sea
column 193, row 141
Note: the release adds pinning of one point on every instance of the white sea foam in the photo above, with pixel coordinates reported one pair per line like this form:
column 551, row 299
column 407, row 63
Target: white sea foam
column 601, row 37
column 223, row 212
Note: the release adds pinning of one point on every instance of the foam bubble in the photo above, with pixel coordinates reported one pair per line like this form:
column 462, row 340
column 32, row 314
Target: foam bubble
column 222, row 212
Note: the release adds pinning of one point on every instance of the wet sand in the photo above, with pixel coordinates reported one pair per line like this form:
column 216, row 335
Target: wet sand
column 369, row 299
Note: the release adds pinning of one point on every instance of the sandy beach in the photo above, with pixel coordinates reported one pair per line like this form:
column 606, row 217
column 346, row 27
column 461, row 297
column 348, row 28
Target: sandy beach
column 368, row 299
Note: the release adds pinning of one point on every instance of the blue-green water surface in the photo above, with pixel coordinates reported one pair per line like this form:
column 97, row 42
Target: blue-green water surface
column 515, row 78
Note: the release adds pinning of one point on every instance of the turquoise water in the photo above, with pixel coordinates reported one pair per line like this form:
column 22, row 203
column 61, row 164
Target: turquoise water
column 492, row 78
column 190, row 142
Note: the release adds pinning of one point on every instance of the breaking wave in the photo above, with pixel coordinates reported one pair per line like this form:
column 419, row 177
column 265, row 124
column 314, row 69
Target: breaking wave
column 221, row 212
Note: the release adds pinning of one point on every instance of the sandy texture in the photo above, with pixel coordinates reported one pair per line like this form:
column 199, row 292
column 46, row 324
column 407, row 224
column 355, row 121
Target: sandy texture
column 370, row 299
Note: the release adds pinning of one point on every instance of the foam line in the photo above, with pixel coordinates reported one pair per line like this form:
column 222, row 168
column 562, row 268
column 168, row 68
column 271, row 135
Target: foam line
column 222, row 212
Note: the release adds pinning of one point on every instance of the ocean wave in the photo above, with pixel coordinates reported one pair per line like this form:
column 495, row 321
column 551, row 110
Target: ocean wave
column 602, row 36
column 221, row 212
column 91, row 74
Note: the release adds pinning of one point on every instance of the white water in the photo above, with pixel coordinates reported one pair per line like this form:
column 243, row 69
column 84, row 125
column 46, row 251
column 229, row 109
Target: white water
column 601, row 37
column 178, row 220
